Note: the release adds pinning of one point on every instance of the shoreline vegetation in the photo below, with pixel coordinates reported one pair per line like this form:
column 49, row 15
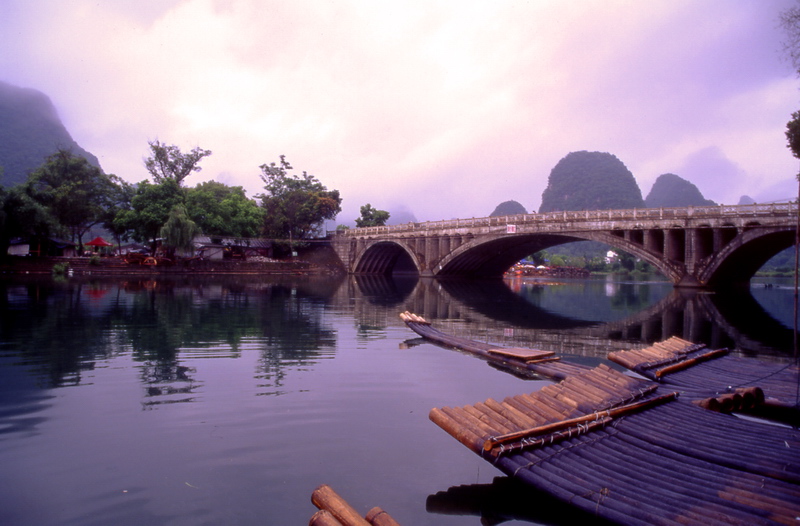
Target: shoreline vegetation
column 310, row 262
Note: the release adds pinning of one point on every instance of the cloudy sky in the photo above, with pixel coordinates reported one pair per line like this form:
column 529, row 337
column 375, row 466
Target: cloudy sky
column 441, row 108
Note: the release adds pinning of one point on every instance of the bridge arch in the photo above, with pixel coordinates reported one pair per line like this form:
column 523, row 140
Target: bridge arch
column 386, row 257
column 744, row 254
column 482, row 257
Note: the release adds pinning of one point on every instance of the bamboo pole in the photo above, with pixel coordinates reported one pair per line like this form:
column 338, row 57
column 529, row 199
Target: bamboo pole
column 492, row 442
column 325, row 498
column 690, row 362
column 377, row 517
column 694, row 491
column 323, row 518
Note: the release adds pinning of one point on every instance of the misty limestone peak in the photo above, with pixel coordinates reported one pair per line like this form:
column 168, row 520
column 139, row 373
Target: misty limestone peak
column 671, row 190
column 590, row 181
column 31, row 130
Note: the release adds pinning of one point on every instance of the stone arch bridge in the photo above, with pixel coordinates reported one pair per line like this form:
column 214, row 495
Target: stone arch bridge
column 709, row 246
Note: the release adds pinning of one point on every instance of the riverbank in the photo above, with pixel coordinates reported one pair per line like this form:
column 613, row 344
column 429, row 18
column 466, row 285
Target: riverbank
column 110, row 266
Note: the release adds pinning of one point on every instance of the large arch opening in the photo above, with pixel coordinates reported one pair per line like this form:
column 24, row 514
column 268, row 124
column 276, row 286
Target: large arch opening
column 386, row 258
column 748, row 257
column 492, row 258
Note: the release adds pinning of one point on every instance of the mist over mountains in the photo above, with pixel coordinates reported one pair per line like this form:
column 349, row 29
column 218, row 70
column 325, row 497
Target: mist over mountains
column 30, row 130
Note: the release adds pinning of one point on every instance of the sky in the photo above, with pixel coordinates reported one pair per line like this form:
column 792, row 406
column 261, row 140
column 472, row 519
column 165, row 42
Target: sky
column 429, row 109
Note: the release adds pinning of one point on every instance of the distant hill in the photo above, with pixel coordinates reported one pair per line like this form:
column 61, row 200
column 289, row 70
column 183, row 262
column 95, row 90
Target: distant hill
column 30, row 130
column 508, row 208
column 590, row 181
column 672, row 190
column 746, row 200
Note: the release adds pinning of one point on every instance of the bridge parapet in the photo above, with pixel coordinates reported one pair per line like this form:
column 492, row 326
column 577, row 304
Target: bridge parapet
column 735, row 213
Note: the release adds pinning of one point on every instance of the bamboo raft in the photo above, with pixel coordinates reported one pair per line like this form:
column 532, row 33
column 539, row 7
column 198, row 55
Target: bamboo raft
column 335, row 511
column 527, row 361
column 639, row 457
column 717, row 380
column 629, row 450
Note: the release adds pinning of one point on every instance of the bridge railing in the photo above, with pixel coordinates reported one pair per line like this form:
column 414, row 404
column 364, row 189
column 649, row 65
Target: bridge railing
column 755, row 210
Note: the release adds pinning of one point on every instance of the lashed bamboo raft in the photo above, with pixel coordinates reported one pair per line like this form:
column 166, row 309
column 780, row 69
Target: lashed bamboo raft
column 701, row 373
column 531, row 361
column 629, row 451
column 668, row 462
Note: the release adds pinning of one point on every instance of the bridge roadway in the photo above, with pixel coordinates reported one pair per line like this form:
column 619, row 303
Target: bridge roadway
column 704, row 247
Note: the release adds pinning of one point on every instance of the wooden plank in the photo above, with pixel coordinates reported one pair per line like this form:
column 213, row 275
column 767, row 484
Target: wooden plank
column 519, row 353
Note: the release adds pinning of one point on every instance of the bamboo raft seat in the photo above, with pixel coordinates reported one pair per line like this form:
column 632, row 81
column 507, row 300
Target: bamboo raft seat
column 614, row 447
column 529, row 361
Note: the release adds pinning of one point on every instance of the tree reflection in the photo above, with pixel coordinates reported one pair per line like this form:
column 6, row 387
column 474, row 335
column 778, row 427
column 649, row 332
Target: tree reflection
column 62, row 329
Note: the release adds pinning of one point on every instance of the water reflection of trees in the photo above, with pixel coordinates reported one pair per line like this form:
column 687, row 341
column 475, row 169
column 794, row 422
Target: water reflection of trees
column 58, row 331
column 61, row 329
column 39, row 317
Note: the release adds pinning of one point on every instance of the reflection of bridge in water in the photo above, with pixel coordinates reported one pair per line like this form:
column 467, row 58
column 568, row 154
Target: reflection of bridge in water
column 491, row 311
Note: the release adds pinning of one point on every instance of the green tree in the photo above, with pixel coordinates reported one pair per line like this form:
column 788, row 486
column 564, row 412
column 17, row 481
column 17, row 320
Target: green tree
column 179, row 231
column 295, row 206
column 150, row 209
column 372, row 216
column 21, row 216
column 119, row 200
column 168, row 162
column 793, row 134
column 221, row 210
column 74, row 192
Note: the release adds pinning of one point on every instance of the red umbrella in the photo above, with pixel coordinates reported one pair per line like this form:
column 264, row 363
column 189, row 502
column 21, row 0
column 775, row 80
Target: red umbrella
column 99, row 242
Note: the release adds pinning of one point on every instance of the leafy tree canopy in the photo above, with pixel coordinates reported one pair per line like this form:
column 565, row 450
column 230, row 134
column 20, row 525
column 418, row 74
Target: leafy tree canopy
column 672, row 190
column 295, row 206
column 119, row 200
column 221, row 210
column 508, row 208
column 179, row 231
column 150, row 209
column 372, row 216
column 73, row 191
column 793, row 134
column 590, row 181
column 21, row 216
column 168, row 162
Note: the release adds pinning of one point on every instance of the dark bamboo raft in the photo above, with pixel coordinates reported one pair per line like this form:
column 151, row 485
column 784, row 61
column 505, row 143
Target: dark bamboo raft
column 612, row 446
column 541, row 363
column 726, row 382
column 628, row 449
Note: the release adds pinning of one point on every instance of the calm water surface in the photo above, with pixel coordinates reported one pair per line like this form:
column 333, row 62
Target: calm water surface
column 228, row 401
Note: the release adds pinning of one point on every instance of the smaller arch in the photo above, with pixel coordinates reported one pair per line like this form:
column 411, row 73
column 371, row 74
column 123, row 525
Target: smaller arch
column 386, row 257
column 704, row 242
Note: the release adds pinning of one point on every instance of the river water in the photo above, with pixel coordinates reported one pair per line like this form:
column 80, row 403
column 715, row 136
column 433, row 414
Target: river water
column 227, row 401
